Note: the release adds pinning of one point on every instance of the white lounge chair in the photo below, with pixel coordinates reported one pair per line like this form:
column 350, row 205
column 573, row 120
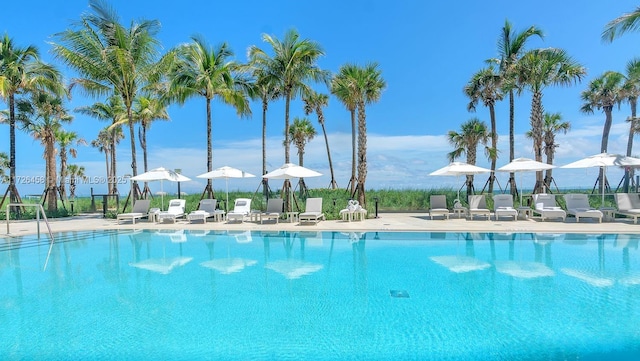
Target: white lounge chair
column 354, row 211
column 478, row 206
column 273, row 211
column 438, row 206
column 241, row 208
column 578, row 205
column 140, row 210
column 175, row 210
column 628, row 205
column 546, row 207
column 312, row 211
column 206, row 209
column 503, row 206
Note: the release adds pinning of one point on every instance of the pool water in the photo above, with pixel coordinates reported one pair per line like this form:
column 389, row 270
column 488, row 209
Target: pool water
column 193, row 295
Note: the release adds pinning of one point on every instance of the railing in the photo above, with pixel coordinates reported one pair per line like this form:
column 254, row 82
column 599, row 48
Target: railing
column 39, row 210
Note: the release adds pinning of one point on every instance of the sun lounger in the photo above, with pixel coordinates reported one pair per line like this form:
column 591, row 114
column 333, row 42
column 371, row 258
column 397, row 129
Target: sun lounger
column 206, row 209
column 478, row 206
column 503, row 206
column 628, row 205
column 313, row 211
column 241, row 209
column 546, row 207
column 578, row 205
column 273, row 211
column 140, row 210
column 354, row 211
column 175, row 210
column 438, row 206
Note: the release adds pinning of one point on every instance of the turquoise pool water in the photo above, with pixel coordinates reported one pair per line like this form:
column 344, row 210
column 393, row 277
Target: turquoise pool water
column 180, row 295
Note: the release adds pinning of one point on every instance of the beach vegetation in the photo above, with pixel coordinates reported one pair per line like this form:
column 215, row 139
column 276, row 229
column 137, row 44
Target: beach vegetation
column 472, row 133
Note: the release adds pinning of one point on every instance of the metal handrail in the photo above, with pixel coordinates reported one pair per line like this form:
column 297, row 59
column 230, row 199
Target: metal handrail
column 39, row 209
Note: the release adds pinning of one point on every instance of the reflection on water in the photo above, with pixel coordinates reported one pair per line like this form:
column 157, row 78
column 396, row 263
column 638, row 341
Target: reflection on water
column 298, row 295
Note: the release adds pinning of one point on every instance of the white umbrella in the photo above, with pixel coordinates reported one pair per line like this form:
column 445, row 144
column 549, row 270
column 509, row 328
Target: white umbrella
column 524, row 165
column 459, row 168
column 288, row 171
column 160, row 174
column 226, row 172
column 604, row 160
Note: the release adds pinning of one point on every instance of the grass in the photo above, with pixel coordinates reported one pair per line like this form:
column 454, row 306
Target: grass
column 387, row 200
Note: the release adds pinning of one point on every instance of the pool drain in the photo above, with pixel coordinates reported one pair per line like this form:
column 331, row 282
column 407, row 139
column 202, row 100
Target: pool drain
column 399, row 293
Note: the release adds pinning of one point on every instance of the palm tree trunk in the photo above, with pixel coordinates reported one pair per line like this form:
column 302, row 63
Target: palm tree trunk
column 353, row 152
column 632, row 131
column 286, row 125
column 209, row 188
column 362, row 153
column 106, row 161
column 142, row 134
column 134, row 166
column 50, row 156
column 63, row 172
column 13, row 192
column 512, row 141
column 605, row 140
column 536, row 131
column 494, row 146
column 333, row 183
column 265, row 181
column 113, row 174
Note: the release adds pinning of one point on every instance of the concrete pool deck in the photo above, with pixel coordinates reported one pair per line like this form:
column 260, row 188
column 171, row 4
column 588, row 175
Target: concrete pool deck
column 418, row 221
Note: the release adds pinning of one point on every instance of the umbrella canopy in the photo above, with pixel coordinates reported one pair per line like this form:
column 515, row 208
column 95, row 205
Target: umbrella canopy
column 289, row 170
column 459, row 168
column 160, row 174
column 524, row 165
column 226, row 172
column 604, row 160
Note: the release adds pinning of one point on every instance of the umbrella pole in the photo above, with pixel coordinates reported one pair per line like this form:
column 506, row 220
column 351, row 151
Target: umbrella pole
column 161, row 195
column 226, row 205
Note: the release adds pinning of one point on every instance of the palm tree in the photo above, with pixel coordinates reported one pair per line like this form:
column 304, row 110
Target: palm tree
column 367, row 87
column 66, row 141
column 340, row 87
column 553, row 125
column 264, row 89
column 301, row 132
column 21, row 71
column 472, row 132
column 207, row 71
column 536, row 70
column 314, row 102
column 104, row 143
column 42, row 115
column 631, row 90
column 511, row 46
column 111, row 59
column 146, row 110
column 486, row 86
column 292, row 65
column 604, row 92
column 75, row 172
column 112, row 110
column 621, row 25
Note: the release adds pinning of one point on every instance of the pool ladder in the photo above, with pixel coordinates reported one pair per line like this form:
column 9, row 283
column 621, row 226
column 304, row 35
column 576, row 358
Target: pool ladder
column 39, row 210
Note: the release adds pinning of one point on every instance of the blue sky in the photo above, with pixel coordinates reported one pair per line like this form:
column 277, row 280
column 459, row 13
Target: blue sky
column 427, row 51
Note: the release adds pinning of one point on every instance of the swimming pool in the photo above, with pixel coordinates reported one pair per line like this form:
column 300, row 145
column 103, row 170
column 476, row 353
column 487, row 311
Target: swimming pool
column 189, row 295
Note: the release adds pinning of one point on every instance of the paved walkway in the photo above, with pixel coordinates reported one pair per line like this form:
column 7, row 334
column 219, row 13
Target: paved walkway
column 386, row 222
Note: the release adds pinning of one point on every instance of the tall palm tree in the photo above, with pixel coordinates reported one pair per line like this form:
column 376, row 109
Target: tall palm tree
column 341, row 88
column 622, row 25
column 66, row 141
column 202, row 70
column 536, row 70
column 553, row 125
column 293, row 64
column 301, row 132
column 472, row 133
column 314, row 102
column 486, row 86
column 604, row 92
column 112, row 59
column 266, row 90
column 104, row 143
column 367, row 86
column 511, row 46
column 631, row 90
column 42, row 115
column 21, row 71
column 75, row 172
column 112, row 110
